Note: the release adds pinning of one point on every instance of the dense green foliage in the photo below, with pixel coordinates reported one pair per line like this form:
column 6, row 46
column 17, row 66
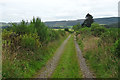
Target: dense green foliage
column 101, row 48
column 97, row 30
column 30, row 41
column 27, row 47
column 85, row 31
column 76, row 27
column 35, row 31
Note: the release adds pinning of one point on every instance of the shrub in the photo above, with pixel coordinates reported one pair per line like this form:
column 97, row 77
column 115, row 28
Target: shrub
column 53, row 35
column 97, row 30
column 20, row 28
column 44, row 34
column 6, row 34
column 42, row 30
column 10, row 39
column 94, row 25
column 30, row 41
column 76, row 27
column 85, row 30
column 110, row 36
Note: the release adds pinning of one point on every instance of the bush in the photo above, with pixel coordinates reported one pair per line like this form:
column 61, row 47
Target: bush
column 44, row 34
column 85, row 31
column 76, row 27
column 10, row 39
column 97, row 30
column 94, row 25
column 6, row 34
column 110, row 36
column 30, row 41
column 54, row 35
column 42, row 30
column 20, row 28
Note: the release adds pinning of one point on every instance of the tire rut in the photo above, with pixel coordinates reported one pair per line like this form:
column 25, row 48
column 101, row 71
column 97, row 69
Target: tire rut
column 85, row 70
column 49, row 68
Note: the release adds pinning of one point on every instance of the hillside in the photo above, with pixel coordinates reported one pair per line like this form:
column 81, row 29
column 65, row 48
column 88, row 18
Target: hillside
column 107, row 21
column 58, row 24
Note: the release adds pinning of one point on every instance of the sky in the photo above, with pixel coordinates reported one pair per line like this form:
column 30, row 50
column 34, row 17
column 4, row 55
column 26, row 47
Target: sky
column 56, row 10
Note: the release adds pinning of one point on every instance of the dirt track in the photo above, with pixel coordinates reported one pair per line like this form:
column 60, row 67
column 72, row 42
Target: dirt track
column 49, row 68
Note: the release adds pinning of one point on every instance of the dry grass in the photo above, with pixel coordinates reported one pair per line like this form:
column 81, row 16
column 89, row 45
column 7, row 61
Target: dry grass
column 90, row 43
column 99, row 58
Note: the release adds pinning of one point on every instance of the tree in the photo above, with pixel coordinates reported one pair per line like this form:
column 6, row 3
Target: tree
column 88, row 21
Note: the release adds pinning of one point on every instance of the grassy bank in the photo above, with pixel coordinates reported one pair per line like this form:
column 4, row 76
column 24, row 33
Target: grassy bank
column 68, row 66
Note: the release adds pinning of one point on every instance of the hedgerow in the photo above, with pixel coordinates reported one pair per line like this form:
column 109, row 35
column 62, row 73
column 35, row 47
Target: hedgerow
column 26, row 34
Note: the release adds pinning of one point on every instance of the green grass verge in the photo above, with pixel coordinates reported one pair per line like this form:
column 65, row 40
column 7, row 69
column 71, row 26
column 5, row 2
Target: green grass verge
column 24, row 64
column 103, row 66
column 68, row 66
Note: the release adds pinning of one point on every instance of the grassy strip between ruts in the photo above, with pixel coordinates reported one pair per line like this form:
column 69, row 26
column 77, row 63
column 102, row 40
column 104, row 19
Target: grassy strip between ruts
column 25, row 66
column 68, row 66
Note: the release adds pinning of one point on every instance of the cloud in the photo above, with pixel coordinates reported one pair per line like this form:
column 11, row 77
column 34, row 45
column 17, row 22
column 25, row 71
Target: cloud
column 47, row 10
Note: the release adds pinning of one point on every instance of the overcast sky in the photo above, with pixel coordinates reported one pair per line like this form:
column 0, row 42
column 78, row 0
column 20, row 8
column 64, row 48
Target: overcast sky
column 51, row 10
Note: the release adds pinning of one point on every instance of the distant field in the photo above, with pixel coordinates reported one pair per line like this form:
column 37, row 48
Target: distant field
column 63, row 29
column 70, row 26
column 58, row 29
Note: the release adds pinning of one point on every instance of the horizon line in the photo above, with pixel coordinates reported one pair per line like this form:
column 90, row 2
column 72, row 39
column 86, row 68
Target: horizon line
column 56, row 20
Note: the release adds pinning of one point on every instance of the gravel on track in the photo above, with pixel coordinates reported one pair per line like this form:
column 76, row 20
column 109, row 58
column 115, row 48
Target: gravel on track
column 84, row 68
column 49, row 68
